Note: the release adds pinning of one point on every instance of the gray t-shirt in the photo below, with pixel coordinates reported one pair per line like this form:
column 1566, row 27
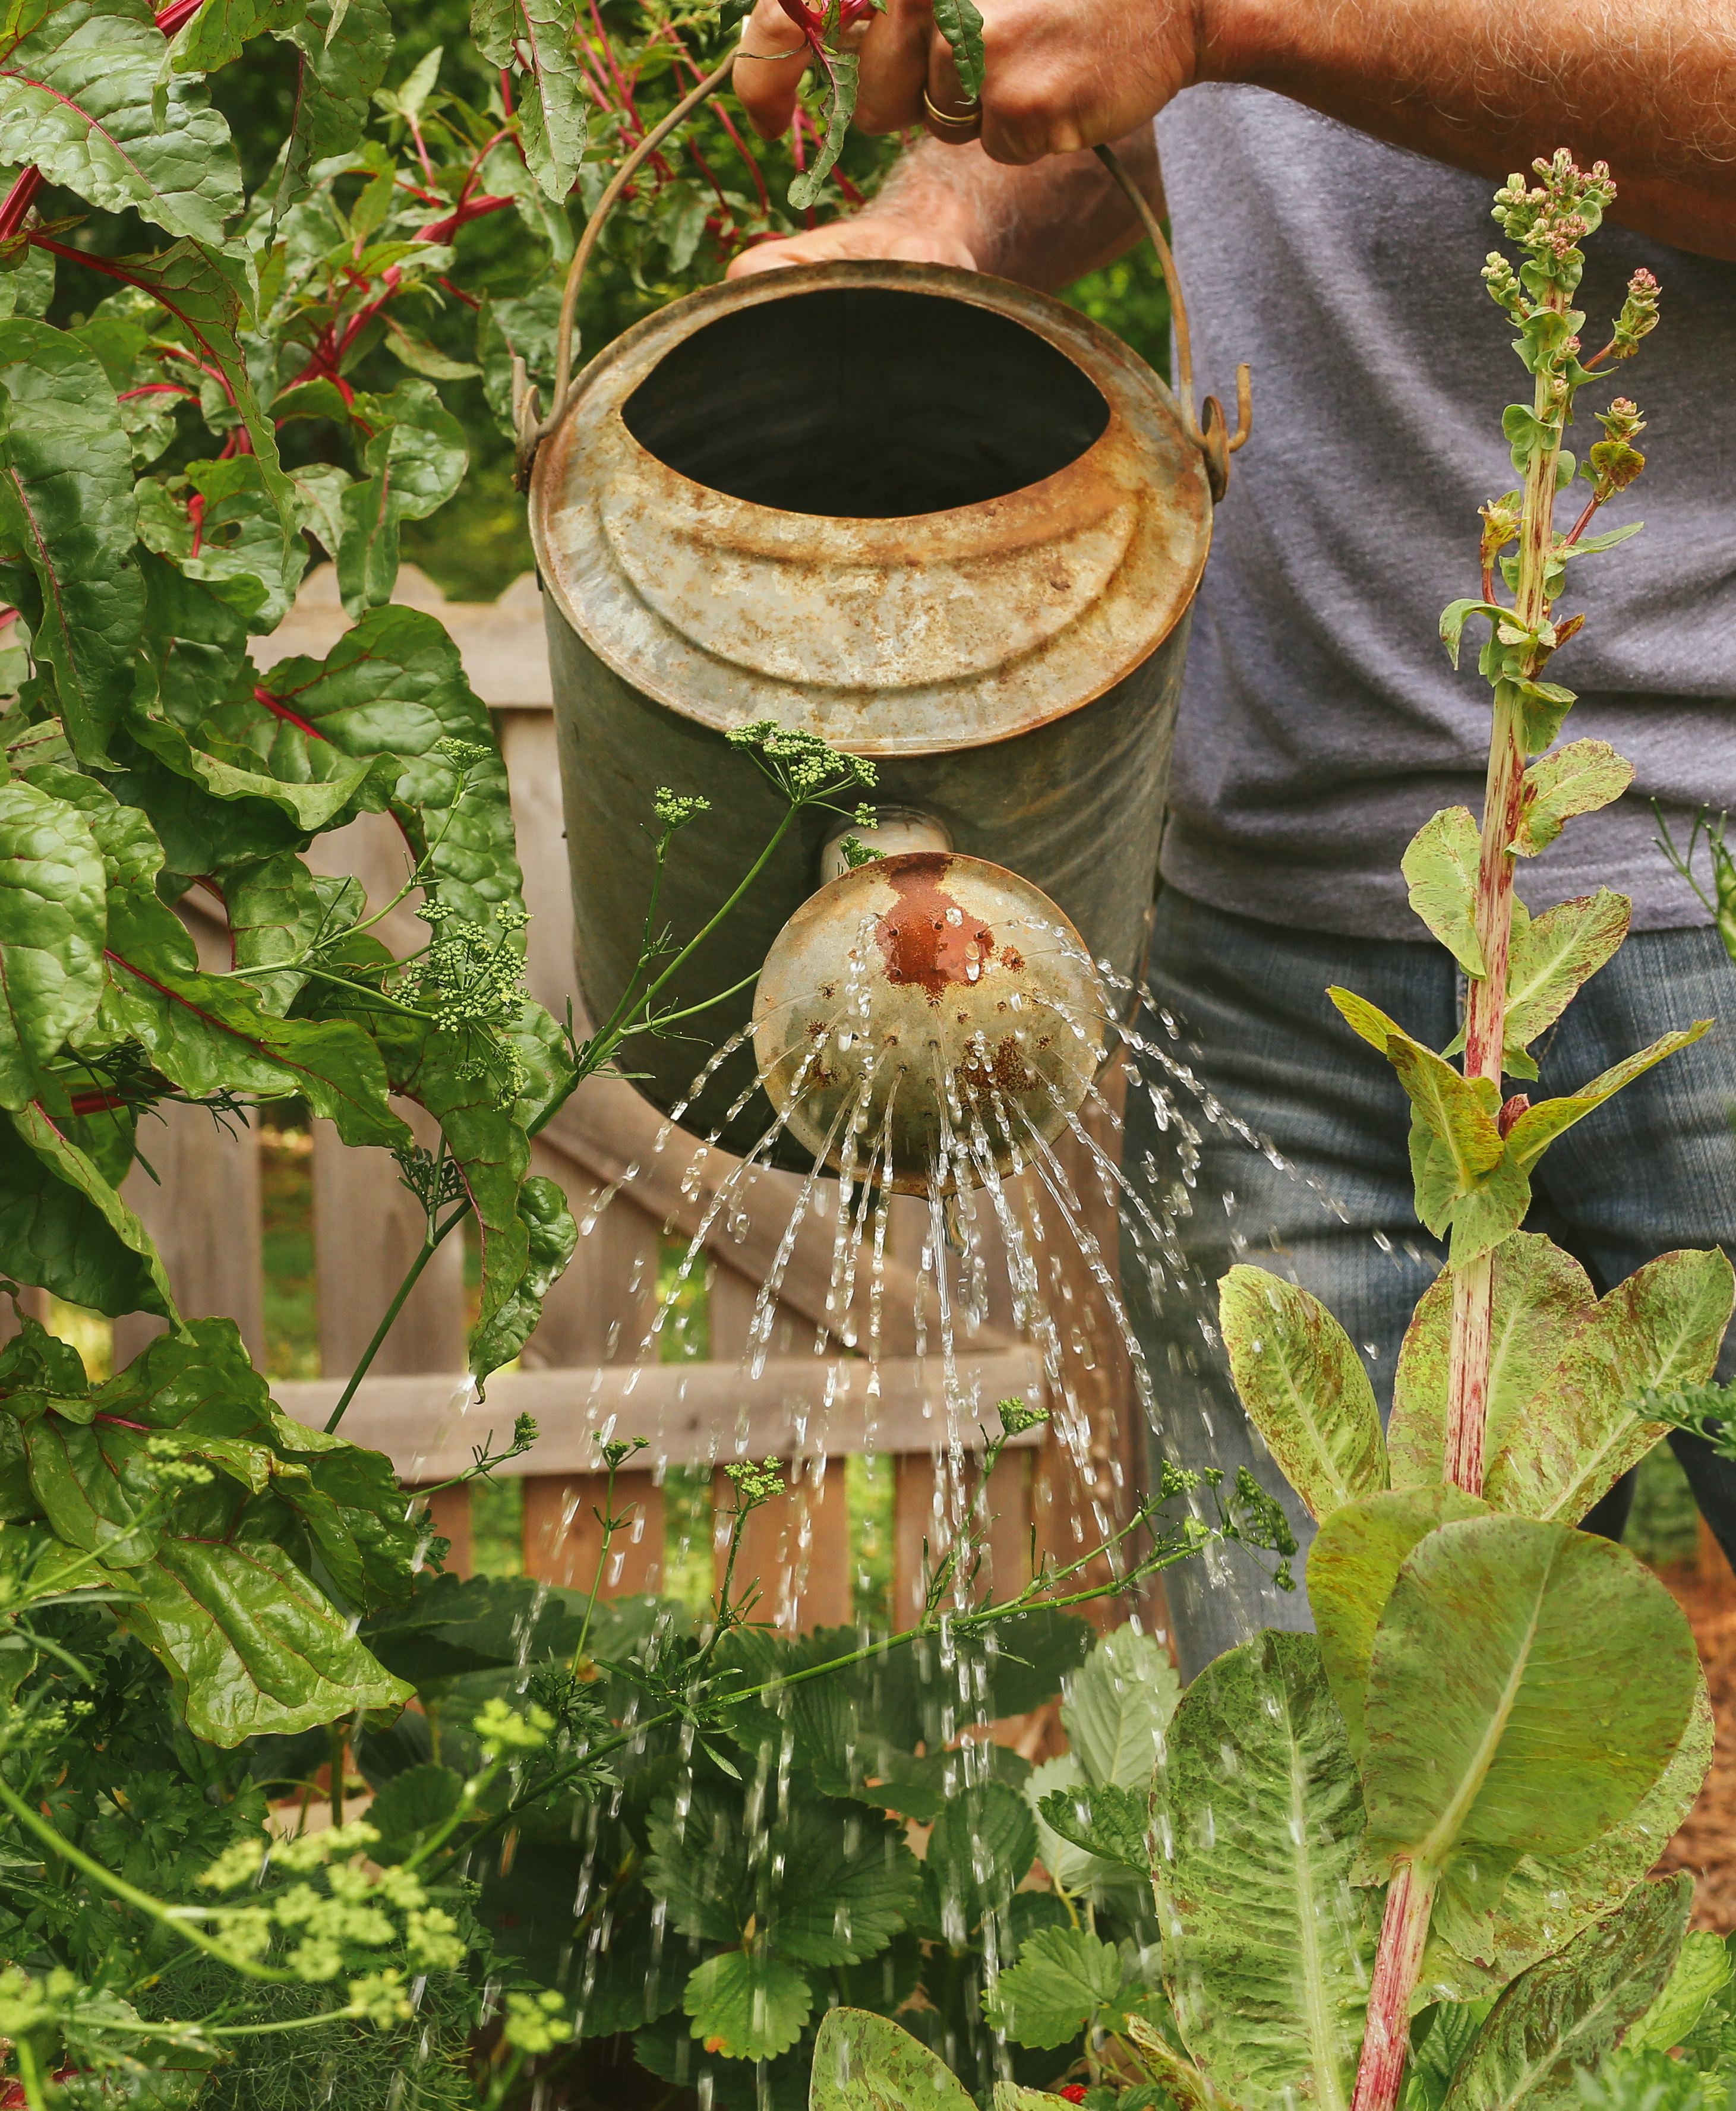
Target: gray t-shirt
column 1321, row 723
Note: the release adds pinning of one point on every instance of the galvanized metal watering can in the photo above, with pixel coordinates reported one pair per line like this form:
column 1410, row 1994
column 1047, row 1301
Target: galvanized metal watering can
column 941, row 521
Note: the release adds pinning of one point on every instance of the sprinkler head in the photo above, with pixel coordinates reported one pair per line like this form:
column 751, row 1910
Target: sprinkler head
column 941, row 1007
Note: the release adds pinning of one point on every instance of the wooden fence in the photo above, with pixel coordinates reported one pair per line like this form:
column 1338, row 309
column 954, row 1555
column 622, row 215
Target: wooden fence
column 585, row 1368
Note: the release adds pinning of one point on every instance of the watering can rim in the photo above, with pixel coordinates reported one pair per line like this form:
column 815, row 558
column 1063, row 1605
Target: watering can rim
column 1144, row 416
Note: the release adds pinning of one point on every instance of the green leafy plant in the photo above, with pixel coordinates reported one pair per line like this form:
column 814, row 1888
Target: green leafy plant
column 1408, row 1855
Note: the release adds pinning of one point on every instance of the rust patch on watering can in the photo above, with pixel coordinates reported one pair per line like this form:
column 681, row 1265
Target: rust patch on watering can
column 929, row 939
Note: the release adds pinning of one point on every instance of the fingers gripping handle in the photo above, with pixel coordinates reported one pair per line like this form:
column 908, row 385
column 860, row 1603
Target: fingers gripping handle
column 1211, row 434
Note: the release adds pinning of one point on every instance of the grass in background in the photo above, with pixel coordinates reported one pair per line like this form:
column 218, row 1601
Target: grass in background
column 687, row 1513
column 867, row 1488
column 286, row 1179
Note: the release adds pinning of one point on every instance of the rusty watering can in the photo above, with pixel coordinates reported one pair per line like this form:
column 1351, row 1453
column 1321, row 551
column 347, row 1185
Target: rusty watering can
column 941, row 521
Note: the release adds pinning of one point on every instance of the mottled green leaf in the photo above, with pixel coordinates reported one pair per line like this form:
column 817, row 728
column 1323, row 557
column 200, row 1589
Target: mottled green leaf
column 534, row 38
column 67, row 521
column 1064, row 1976
column 62, row 1225
column 83, row 98
column 1538, row 1127
column 1578, row 778
column 411, row 467
column 1541, row 1295
column 865, row 2062
column 253, row 1647
column 747, row 2005
column 1553, row 957
column 1117, row 1704
column 1304, row 1388
column 1352, row 1566
column 1528, row 1685
column 1267, row 1948
column 1550, row 1898
column 552, row 1233
column 1440, row 868
column 1566, row 2014
column 52, row 925
column 1660, row 1329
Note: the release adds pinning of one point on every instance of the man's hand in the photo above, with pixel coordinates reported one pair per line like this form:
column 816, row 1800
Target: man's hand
column 1059, row 78
column 869, row 234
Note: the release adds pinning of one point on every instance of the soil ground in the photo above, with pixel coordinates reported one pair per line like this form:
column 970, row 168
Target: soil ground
column 1706, row 1590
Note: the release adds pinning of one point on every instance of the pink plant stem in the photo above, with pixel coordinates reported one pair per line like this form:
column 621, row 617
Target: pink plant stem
column 1486, row 1023
column 1404, row 1934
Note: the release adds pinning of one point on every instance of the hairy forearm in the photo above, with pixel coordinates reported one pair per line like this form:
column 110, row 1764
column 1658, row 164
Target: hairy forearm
column 1648, row 86
column 1045, row 225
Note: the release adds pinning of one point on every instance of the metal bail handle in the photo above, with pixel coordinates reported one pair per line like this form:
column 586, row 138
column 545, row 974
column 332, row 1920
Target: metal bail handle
column 1211, row 435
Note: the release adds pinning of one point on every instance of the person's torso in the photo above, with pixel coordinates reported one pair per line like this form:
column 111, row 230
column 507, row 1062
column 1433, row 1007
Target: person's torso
column 1322, row 723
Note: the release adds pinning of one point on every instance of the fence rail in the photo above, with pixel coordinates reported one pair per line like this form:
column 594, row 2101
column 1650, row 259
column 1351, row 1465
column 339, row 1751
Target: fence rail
column 586, row 1363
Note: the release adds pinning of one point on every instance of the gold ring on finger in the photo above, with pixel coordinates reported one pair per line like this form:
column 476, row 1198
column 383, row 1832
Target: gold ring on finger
column 968, row 125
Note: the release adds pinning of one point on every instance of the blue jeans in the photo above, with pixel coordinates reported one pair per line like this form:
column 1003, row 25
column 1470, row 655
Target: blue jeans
column 1241, row 1005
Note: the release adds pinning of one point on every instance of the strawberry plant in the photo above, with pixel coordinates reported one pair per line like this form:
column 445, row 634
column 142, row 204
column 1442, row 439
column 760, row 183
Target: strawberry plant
column 1405, row 1859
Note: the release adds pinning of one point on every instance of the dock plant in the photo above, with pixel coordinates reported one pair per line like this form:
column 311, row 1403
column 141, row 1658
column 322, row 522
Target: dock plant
column 1405, row 1859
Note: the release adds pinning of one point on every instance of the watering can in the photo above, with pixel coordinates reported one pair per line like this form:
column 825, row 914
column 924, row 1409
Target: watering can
column 944, row 522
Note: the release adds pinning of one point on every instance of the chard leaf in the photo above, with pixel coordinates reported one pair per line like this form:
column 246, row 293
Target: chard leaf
column 67, row 523
column 747, row 2005
column 862, row 2061
column 1553, row 957
column 840, row 69
column 1352, row 1566
column 236, row 545
column 1304, row 1388
column 1563, row 2015
column 83, row 98
column 1578, row 778
column 1266, row 1948
column 552, row 1233
column 411, row 467
column 1527, row 1687
column 251, row 1646
column 62, row 1225
column 343, row 47
column 1538, row 1127
column 52, row 926
column 534, row 38
column 960, row 23
column 209, row 291
column 1541, row 1298
column 1440, row 868
column 216, row 36
column 1064, row 1978
column 1660, row 1329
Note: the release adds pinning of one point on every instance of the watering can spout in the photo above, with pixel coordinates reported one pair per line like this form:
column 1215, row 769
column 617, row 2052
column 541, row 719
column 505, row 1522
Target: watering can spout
column 930, row 1019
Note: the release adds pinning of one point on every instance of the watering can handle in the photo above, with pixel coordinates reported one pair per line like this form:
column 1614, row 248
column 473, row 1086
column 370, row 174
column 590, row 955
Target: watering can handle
column 1212, row 437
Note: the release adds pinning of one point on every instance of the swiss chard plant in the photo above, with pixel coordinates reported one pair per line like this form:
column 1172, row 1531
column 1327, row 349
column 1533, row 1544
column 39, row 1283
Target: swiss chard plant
column 1406, row 1858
